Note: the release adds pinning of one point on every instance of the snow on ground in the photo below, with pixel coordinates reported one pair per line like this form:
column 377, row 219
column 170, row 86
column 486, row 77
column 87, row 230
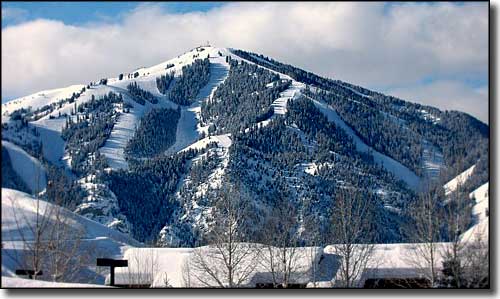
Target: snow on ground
column 355, row 91
column 229, row 52
column 151, row 265
column 146, row 78
column 188, row 128
column 223, row 141
column 279, row 105
column 428, row 116
column 395, row 261
column 156, row 266
column 52, row 142
column 432, row 160
column 19, row 214
column 481, row 206
column 458, row 180
column 124, row 129
column 39, row 99
column 310, row 168
column 14, row 282
column 400, row 171
column 24, row 206
column 27, row 167
column 50, row 129
column 480, row 215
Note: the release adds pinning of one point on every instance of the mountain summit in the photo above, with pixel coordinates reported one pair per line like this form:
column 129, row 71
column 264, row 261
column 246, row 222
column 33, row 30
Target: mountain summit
column 150, row 152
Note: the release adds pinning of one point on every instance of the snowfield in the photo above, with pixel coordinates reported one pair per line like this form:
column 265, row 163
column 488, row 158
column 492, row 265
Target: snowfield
column 27, row 167
column 397, row 169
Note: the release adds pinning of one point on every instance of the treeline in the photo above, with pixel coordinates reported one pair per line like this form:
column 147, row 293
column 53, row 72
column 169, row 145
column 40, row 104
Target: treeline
column 140, row 95
column 243, row 99
column 186, row 87
column 155, row 134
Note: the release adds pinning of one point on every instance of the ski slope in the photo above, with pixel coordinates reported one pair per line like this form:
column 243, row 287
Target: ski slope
column 432, row 160
column 397, row 169
column 279, row 105
column 188, row 128
column 27, row 167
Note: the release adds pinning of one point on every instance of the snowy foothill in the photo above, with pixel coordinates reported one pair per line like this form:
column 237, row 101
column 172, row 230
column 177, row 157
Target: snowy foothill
column 19, row 218
column 29, row 169
column 397, row 169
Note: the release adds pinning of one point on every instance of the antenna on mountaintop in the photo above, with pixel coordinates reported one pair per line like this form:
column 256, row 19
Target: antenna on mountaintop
column 207, row 44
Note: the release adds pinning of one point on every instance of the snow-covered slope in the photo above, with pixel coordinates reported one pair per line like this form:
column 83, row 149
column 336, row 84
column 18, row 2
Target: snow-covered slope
column 14, row 282
column 460, row 179
column 27, row 167
column 223, row 141
column 280, row 104
column 19, row 214
column 39, row 99
column 400, row 171
column 480, row 215
column 188, row 128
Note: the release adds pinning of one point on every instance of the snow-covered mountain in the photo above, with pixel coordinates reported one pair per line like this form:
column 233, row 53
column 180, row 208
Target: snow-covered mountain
column 149, row 151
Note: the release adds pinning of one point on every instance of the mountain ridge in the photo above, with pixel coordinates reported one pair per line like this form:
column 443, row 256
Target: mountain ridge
column 243, row 119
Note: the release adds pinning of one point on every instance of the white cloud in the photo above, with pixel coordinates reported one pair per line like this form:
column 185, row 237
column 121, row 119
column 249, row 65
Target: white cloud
column 449, row 95
column 364, row 43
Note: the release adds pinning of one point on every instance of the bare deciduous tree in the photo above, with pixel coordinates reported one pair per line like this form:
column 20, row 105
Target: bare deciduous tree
column 228, row 260
column 352, row 219
column 280, row 236
column 425, row 232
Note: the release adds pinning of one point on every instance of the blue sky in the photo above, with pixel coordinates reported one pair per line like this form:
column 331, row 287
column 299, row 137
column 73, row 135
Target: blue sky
column 432, row 53
column 79, row 13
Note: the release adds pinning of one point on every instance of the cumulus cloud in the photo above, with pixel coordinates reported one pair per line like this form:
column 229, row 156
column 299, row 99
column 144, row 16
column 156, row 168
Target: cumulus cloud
column 371, row 44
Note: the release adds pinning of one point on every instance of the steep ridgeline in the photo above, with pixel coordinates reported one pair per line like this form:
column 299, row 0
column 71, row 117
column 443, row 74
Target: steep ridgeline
column 401, row 130
column 152, row 151
column 300, row 151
